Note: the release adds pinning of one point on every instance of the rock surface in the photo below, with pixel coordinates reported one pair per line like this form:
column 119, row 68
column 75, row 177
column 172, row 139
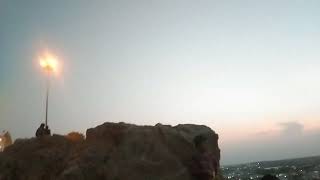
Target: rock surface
column 111, row 151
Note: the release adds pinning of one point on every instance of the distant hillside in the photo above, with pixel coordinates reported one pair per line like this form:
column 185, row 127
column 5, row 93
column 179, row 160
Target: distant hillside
column 296, row 161
column 311, row 159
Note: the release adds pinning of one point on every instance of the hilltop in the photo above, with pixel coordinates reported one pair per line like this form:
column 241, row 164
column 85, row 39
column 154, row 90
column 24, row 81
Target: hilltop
column 112, row 151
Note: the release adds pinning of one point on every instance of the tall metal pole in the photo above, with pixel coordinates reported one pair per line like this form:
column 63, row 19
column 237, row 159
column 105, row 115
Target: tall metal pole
column 47, row 98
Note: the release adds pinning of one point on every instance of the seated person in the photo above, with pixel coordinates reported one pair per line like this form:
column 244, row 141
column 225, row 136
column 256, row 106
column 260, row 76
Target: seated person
column 47, row 131
column 40, row 131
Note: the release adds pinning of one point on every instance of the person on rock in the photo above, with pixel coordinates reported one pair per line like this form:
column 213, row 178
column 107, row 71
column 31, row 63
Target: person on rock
column 204, row 165
column 41, row 130
column 47, row 131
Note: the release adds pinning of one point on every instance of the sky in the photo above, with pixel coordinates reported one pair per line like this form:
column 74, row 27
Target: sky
column 249, row 69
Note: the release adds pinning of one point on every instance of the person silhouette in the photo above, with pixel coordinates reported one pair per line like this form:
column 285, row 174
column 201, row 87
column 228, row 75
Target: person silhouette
column 41, row 130
column 47, row 131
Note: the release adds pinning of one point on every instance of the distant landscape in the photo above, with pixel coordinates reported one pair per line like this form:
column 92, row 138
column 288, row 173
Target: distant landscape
column 307, row 168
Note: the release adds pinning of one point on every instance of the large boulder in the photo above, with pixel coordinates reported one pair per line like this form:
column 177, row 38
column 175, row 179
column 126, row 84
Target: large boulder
column 111, row 151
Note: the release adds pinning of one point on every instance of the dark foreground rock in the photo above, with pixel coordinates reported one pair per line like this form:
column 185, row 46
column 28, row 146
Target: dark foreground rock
column 111, row 151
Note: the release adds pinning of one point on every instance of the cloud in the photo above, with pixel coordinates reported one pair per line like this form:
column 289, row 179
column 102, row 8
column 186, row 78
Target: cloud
column 291, row 128
column 263, row 133
column 287, row 140
column 284, row 129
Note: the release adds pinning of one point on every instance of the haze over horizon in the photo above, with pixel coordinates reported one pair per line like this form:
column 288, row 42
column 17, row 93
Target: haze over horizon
column 248, row 69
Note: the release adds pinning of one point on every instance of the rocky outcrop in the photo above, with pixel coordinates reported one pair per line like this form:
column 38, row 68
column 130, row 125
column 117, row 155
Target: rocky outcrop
column 5, row 140
column 111, row 151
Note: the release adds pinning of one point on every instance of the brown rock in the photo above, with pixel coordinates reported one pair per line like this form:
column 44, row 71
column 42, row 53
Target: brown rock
column 111, row 151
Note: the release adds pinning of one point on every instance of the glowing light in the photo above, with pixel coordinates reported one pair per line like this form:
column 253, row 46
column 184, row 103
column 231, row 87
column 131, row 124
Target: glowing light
column 49, row 62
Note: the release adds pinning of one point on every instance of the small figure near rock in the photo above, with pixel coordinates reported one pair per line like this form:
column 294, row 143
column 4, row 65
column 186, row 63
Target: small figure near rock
column 269, row 177
column 204, row 165
column 47, row 131
column 41, row 130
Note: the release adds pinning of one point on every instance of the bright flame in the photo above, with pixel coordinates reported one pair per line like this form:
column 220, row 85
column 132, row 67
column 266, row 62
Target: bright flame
column 49, row 62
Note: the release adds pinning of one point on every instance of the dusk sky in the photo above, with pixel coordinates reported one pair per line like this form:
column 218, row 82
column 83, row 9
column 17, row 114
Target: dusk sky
column 248, row 69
